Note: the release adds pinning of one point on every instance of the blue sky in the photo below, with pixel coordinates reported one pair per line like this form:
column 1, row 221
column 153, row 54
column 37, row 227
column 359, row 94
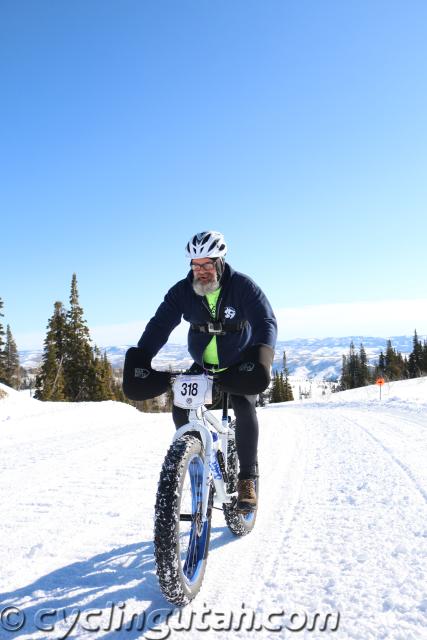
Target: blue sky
column 298, row 128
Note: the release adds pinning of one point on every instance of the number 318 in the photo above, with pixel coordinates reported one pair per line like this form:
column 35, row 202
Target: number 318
column 189, row 389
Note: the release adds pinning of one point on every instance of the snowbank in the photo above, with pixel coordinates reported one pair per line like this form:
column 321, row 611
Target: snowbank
column 341, row 528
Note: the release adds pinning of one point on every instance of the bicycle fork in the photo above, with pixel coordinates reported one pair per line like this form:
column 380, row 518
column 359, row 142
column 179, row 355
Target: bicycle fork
column 211, row 469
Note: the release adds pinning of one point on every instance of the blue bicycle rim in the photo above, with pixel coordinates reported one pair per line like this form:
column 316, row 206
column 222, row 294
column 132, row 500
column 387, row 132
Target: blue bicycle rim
column 195, row 553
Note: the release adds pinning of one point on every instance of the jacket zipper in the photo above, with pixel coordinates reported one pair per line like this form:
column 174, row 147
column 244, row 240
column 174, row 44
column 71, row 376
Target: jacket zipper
column 218, row 306
column 204, row 303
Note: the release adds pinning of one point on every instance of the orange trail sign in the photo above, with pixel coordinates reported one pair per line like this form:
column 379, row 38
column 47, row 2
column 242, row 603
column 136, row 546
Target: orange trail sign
column 379, row 382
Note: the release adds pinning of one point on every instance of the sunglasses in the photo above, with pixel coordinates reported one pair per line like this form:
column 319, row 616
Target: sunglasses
column 207, row 266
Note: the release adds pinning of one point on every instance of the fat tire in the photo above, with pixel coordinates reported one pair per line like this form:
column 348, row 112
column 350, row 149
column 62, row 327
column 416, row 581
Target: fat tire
column 174, row 585
column 238, row 523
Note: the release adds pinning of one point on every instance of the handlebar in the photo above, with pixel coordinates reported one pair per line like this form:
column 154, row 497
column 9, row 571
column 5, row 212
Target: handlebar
column 175, row 374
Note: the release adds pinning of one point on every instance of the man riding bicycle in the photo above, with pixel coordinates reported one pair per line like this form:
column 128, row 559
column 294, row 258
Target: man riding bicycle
column 232, row 334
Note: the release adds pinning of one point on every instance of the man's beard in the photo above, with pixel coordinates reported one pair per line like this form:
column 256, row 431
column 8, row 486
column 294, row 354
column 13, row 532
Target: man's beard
column 202, row 288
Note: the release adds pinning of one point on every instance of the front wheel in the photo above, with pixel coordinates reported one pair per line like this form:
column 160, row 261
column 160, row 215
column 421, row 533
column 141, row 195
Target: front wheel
column 239, row 523
column 181, row 538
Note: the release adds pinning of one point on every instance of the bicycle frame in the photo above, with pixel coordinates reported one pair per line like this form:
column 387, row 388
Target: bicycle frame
column 213, row 441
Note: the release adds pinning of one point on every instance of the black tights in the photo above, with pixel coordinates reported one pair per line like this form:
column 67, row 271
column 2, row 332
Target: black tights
column 246, row 431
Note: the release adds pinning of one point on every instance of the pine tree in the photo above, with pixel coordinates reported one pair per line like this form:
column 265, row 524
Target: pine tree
column 2, row 344
column 345, row 378
column 11, row 361
column 363, row 373
column 103, row 388
column 108, row 378
column 287, row 389
column 355, row 370
column 424, row 358
column 282, row 387
column 79, row 362
column 415, row 363
column 281, row 390
column 350, row 374
column 405, row 367
column 355, row 367
column 381, row 364
column 71, row 370
column 394, row 364
column 276, row 393
column 50, row 380
column 289, row 396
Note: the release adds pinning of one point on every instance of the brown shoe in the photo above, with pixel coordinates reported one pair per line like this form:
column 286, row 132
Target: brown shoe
column 246, row 495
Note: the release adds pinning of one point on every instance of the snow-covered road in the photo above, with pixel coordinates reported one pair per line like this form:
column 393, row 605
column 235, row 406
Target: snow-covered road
column 341, row 529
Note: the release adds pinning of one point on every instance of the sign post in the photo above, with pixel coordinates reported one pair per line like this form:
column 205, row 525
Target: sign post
column 379, row 382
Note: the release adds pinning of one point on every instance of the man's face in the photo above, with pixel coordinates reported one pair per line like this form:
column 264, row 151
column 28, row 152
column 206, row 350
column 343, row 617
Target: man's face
column 204, row 270
column 205, row 276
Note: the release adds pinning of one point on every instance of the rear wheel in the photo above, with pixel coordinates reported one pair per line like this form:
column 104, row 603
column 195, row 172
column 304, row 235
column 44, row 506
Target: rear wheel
column 181, row 538
column 239, row 523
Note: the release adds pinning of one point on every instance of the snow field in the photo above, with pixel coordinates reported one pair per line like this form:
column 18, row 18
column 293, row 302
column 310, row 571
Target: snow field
column 341, row 527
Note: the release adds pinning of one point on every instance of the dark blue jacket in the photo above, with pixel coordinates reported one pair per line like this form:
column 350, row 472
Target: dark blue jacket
column 240, row 299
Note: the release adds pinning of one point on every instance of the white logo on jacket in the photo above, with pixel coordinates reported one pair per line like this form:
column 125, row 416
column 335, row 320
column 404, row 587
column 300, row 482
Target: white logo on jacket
column 247, row 367
column 141, row 373
column 229, row 312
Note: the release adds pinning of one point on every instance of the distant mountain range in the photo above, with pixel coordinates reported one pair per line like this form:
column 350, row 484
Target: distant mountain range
column 312, row 358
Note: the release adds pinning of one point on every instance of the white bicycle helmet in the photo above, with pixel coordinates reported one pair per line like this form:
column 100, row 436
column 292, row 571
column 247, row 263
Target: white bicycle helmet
column 207, row 244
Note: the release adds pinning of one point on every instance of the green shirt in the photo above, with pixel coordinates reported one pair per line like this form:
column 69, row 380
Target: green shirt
column 210, row 354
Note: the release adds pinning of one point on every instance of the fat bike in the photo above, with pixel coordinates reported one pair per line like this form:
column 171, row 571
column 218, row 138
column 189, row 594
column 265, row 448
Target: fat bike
column 199, row 474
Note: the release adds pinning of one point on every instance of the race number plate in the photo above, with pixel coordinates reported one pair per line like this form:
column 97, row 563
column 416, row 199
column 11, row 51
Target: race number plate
column 191, row 392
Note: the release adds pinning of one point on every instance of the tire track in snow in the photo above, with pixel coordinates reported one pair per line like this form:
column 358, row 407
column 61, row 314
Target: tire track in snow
column 404, row 467
column 245, row 562
column 357, row 543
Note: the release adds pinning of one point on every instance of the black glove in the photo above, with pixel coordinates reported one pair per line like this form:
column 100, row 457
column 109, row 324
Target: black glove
column 251, row 375
column 140, row 380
